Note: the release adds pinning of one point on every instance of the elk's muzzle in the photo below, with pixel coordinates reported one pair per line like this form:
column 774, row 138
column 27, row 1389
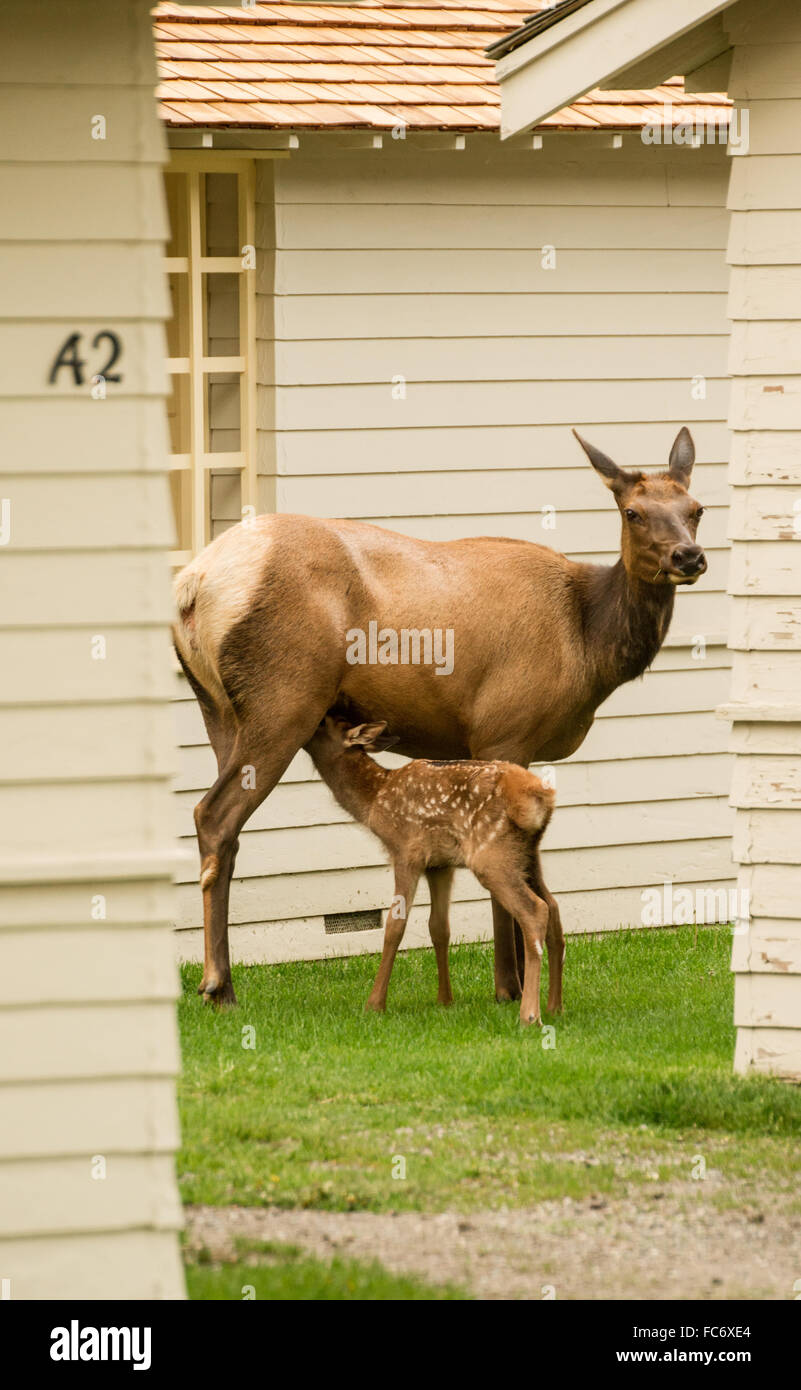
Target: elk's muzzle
column 688, row 563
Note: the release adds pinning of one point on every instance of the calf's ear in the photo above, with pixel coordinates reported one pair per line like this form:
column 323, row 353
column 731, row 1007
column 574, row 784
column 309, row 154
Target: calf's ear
column 369, row 736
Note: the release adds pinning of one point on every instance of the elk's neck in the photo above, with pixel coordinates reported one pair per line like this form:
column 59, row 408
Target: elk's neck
column 352, row 777
column 625, row 623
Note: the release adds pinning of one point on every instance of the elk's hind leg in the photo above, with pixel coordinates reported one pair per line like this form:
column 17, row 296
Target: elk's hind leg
column 439, row 885
column 241, row 787
column 277, row 686
column 257, row 759
column 221, row 728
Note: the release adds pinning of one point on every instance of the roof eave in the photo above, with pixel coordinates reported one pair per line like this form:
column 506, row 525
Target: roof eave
column 588, row 49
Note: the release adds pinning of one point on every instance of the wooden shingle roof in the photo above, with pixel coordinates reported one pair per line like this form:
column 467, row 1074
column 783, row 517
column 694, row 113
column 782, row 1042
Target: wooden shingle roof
column 367, row 66
column 535, row 23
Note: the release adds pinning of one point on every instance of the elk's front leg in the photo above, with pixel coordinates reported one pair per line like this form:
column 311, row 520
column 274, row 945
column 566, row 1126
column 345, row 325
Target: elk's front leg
column 507, row 937
column 439, row 884
column 507, row 976
column 406, row 881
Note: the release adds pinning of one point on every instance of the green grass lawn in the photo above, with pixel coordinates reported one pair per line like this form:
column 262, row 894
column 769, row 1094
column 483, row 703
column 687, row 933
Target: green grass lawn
column 282, row 1272
column 482, row 1113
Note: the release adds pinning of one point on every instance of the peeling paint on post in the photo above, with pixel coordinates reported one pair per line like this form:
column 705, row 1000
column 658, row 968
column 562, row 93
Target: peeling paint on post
column 765, row 576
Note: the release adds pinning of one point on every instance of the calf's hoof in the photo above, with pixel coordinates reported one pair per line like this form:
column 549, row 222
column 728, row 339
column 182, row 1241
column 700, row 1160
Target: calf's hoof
column 375, row 1006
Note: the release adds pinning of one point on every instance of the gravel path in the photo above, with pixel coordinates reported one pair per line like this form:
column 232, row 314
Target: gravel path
column 667, row 1244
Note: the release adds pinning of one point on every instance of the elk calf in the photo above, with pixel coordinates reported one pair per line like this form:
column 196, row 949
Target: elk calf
column 434, row 817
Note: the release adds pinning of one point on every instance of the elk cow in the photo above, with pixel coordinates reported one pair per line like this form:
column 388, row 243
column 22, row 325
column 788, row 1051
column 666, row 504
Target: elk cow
column 265, row 614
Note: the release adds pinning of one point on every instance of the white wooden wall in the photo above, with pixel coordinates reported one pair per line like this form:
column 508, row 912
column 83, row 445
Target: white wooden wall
column 403, row 262
column 88, row 1040
column 765, row 305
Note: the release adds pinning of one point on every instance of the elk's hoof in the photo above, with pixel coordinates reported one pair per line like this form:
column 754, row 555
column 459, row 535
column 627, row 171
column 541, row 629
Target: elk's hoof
column 507, row 994
column 374, row 1006
column 220, row 995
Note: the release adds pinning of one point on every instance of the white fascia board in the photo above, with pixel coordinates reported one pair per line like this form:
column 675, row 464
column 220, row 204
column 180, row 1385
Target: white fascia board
column 585, row 49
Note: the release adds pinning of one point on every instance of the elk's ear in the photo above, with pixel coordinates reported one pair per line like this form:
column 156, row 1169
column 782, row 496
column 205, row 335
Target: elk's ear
column 373, row 736
column 614, row 477
column 682, row 457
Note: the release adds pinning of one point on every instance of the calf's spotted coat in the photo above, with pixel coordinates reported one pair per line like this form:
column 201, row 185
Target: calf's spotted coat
column 434, row 817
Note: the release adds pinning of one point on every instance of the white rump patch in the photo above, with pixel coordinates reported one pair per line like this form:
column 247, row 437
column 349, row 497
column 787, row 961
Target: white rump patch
column 222, row 581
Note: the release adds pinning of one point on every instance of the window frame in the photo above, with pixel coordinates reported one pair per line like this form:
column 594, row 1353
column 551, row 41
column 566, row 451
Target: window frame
column 198, row 462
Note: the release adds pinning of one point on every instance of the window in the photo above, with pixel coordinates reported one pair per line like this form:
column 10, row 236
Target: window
column 211, row 338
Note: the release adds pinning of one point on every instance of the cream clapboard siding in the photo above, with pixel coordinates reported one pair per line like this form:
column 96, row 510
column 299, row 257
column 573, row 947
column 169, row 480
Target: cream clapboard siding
column 427, row 266
column 88, row 1047
column 765, row 305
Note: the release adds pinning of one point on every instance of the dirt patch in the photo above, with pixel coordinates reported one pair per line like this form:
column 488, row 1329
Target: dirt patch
column 664, row 1245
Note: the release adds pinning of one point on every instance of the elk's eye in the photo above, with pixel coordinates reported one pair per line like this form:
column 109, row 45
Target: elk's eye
column 699, row 513
column 631, row 515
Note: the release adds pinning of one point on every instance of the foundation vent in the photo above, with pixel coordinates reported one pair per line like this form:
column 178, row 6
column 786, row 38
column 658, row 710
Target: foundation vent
column 337, row 922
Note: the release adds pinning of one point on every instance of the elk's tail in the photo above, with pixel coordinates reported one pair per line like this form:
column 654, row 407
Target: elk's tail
column 191, row 647
column 186, row 586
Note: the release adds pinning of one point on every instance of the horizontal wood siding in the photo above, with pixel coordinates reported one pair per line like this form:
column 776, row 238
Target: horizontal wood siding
column 428, row 266
column 88, row 1039
column 765, row 529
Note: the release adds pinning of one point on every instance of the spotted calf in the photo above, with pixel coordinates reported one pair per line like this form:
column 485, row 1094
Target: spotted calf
column 434, row 817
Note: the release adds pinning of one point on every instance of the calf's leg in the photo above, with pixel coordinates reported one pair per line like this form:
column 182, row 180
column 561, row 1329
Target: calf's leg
column 507, row 883
column 406, row 881
column 555, row 937
column 520, row 951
